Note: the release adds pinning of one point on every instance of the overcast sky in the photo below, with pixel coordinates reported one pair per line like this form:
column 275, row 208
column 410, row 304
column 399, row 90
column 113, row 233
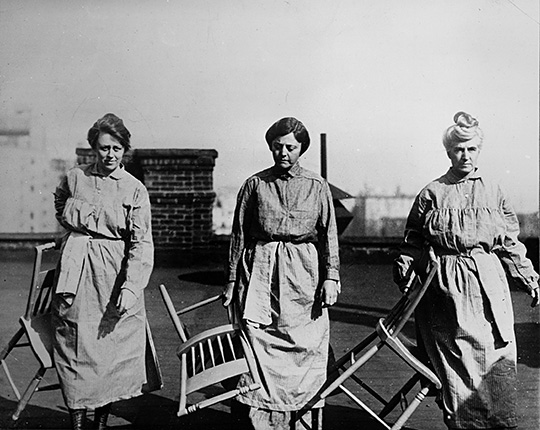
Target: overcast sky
column 382, row 79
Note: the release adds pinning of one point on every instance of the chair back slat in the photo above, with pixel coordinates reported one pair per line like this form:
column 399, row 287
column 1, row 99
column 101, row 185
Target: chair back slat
column 44, row 297
column 202, row 359
column 229, row 341
column 193, row 360
column 220, row 345
column 212, row 355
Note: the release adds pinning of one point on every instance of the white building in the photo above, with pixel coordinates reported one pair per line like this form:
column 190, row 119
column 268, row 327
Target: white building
column 28, row 177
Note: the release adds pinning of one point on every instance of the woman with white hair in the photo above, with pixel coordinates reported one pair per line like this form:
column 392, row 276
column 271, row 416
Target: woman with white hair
column 466, row 320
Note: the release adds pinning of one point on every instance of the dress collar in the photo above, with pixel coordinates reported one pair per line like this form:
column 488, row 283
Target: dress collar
column 118, row 173
column 454, row 179
column 291, row 173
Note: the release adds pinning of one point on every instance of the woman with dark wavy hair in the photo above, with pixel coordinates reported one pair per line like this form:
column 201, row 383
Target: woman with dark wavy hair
column 465, row 319
column 99, row 315
column 283, row 271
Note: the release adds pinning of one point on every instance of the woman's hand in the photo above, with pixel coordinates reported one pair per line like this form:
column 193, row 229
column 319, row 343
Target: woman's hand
column 329, row 292
column 534, row 294
column 126, row 300
column 227, row 294
column 403, row 272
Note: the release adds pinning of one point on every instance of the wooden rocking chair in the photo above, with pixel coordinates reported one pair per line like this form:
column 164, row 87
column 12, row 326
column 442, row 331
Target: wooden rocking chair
column 211, row 357
column 36, row 327
column 386, row 334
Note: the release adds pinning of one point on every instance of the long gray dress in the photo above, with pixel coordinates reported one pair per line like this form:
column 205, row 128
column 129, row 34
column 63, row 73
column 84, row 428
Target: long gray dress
column 284, row 244
column 466, row 319
column 99, row 354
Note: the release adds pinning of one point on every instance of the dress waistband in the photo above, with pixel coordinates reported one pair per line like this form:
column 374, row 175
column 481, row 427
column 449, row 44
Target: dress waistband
column 284, row 239
column 439, row 251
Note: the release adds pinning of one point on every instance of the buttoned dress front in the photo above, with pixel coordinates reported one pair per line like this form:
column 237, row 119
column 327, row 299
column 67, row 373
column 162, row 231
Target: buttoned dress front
column 283, row 246
column 466, row 317
column 100, row 354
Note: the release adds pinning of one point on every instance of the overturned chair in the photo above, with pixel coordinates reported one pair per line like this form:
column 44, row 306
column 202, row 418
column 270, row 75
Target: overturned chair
column 386, row 334
column 35, row 332
column 215, row 356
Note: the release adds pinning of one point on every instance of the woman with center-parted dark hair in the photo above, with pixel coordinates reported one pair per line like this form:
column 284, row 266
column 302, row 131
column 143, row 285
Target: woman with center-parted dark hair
column 106, row 260
column 283, row 271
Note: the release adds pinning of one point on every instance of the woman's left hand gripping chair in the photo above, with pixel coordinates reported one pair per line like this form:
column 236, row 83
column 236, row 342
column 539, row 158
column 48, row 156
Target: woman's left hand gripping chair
column 37, row 328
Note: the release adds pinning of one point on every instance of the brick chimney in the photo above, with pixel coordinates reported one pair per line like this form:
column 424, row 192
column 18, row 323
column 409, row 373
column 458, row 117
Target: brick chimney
column 180, row 185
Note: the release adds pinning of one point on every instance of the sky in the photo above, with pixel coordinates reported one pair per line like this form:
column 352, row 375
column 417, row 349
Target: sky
column 382, row 79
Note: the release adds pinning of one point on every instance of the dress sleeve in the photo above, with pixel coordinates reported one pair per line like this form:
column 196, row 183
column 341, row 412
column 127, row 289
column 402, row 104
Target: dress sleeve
column 141, row 247
column 413, row 242
column 328, row 237
column 61, row 194
column 512, row 252
column 243, row 215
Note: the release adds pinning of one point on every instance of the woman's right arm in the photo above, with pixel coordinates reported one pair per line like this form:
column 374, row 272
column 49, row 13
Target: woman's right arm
column 61, row 195
column 240, row 228
column 413, row 242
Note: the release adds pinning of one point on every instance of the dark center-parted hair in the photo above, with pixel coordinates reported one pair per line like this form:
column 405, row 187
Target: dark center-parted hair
column 465, row 128
column 285, row 126
column 112, row 125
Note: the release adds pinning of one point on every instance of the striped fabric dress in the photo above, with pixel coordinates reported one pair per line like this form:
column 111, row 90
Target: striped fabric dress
column 466, row 319
column 100, row 354
column 284, row 244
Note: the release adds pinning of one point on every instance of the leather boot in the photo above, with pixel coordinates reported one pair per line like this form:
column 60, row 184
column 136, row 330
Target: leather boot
column 100, row 417
column 78, row 418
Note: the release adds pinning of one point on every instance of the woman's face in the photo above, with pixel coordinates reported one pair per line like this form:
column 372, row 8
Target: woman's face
column 464, row 156
column 286, row 151
column 109, row 153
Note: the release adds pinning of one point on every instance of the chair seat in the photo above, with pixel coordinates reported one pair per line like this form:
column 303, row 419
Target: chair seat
column 407, row 354
column 40, row 334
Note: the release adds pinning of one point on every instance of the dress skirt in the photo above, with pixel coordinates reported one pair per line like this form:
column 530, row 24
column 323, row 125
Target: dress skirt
column 285, row 323
column 466, row 323
column 99, row 354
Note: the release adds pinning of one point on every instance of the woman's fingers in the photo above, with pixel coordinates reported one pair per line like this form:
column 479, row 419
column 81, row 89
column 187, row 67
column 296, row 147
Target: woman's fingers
column 126, row 300
column 330, row 293
column 227, row 294
column 535, row 297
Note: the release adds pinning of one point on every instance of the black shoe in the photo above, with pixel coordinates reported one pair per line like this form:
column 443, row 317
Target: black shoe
column 100, row 417
column 78, row 418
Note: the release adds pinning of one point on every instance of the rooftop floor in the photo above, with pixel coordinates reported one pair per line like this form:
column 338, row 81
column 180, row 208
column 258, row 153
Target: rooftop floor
column 368, row 294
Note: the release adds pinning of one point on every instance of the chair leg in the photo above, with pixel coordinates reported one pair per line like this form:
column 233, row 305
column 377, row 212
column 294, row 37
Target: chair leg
column 307, row 419
column 29, row 392
column 412, row 407
column 393, row 402
column 183, row 378
column 11, row 344
column 3, row 355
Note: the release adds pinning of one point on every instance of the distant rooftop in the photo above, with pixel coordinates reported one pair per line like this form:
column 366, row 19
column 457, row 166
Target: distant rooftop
column 16, row 124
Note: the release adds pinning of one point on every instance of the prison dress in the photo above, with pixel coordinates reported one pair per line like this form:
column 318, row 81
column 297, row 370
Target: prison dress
column 99, row 354
column 283, row 246
column 466, row 318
